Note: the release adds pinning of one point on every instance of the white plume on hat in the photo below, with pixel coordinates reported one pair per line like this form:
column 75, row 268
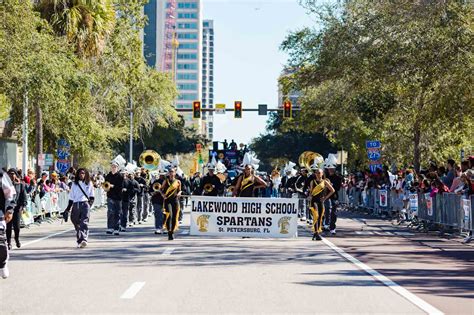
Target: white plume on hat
column 119, row 161
column 220, row 167
column 330, row 161
column 130, row 168
column 289, row 167
column 175, row 161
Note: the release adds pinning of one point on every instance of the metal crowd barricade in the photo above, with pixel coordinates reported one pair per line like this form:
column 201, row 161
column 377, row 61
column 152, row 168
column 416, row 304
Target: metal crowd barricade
column 447, row 210
column 54, row 203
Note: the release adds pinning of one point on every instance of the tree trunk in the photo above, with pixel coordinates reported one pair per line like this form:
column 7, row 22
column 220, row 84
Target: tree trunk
column 416, row 146
column 39, row 138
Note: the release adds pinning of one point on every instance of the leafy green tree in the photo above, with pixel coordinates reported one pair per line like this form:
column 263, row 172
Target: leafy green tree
column 85, row 23
column 79, row 97
column 400, row 71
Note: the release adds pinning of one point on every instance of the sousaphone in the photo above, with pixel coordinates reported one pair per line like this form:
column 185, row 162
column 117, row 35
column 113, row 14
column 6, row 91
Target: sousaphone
column 149, row 160
column 308, row 158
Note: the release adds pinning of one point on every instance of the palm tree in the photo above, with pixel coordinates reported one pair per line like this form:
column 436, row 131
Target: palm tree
column 85, row 23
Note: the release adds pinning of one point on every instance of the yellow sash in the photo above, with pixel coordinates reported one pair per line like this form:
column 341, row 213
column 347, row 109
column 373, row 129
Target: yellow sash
column 246, row 183
column 171, row 188
column 318, row 188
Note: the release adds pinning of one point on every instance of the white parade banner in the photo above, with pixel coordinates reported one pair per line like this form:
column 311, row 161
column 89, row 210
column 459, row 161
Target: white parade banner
column 244, row 217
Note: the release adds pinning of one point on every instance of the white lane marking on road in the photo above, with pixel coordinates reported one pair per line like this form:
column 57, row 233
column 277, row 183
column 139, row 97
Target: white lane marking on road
column 133, row 290
column 386, row 281
column 364, row 233
column 404, row 233
column 46, row 237
column 168, row 251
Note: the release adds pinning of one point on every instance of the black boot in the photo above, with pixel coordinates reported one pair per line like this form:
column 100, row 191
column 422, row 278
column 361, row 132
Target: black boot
column 170, row 236
column 18, row 244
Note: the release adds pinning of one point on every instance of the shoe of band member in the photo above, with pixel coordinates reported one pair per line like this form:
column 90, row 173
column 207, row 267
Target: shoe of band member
column 116, row 232
column 83, row 244
column 122, row 229
column 18, row 244
column 110, row 231
column 333, row 232
column 303, row 218
column 139, row 222
column 9, row 246
column 158, row 231
column 4, row 272
column 130, row 224
column 316, row 237
column 144, row 220
column 170, row 236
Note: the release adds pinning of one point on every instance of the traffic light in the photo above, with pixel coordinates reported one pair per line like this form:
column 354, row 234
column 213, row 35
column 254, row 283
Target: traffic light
column 287, row 109
column 197, row 109
column 237, row 109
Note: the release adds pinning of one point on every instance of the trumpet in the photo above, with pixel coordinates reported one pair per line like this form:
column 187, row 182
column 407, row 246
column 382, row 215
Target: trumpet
column 156, row 186
column 107, row 186
column 208, row 187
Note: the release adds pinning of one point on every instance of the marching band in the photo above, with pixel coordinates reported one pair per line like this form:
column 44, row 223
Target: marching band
column 159, row 187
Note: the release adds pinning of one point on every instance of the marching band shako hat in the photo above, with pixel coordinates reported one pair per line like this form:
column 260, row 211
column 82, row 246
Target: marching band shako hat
column 210, row 166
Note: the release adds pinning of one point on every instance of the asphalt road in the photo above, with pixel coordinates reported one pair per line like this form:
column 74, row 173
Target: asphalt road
column 139, row 272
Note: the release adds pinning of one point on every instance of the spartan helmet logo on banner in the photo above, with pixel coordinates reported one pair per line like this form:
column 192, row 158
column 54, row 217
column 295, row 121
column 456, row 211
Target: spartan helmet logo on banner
column 283, row 224
column 203, row 222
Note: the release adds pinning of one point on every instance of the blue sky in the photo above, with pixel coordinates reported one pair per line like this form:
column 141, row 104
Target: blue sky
column 248, row 61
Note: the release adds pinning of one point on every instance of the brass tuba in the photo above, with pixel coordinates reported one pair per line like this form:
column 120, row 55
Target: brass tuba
column 308, row 158
column 149, row 160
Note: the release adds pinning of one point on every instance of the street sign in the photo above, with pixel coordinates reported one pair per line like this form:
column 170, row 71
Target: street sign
column 63, row 166
column 262, row 109
column 375, row 144
column 63, row 149
column 373, row 155
column 220, row 109
column 375, row 167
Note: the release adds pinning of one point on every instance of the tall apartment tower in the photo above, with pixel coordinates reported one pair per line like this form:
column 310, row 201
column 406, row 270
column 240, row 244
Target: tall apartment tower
column 208, row 75
column 185, row 17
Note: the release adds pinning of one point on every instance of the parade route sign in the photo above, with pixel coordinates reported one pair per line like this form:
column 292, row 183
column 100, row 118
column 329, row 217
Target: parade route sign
column 244, row 217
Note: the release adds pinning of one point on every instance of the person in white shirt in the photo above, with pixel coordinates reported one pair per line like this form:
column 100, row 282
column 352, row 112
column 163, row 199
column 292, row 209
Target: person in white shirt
column 81, row 198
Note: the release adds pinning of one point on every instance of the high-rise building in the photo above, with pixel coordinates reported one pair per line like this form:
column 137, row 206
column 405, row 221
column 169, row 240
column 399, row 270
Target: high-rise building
column 183, row 19
column 208, row 75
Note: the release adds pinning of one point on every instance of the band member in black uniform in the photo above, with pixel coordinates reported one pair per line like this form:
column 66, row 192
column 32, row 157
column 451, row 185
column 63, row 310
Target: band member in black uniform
column 331, row 203
column 114, row 198
column 171, row 192
column 301, row 188
column 248, row 183
column 211, row 184
column 320, row 189
column 20, row 200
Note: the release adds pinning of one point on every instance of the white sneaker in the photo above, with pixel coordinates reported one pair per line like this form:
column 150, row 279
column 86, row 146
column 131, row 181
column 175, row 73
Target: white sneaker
column 122, row 229
column 4, row 272
column 83, row 244
column 109, row 231
column 303, row 218
column 333, row 232
column 116, row 232
column 158, row 231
